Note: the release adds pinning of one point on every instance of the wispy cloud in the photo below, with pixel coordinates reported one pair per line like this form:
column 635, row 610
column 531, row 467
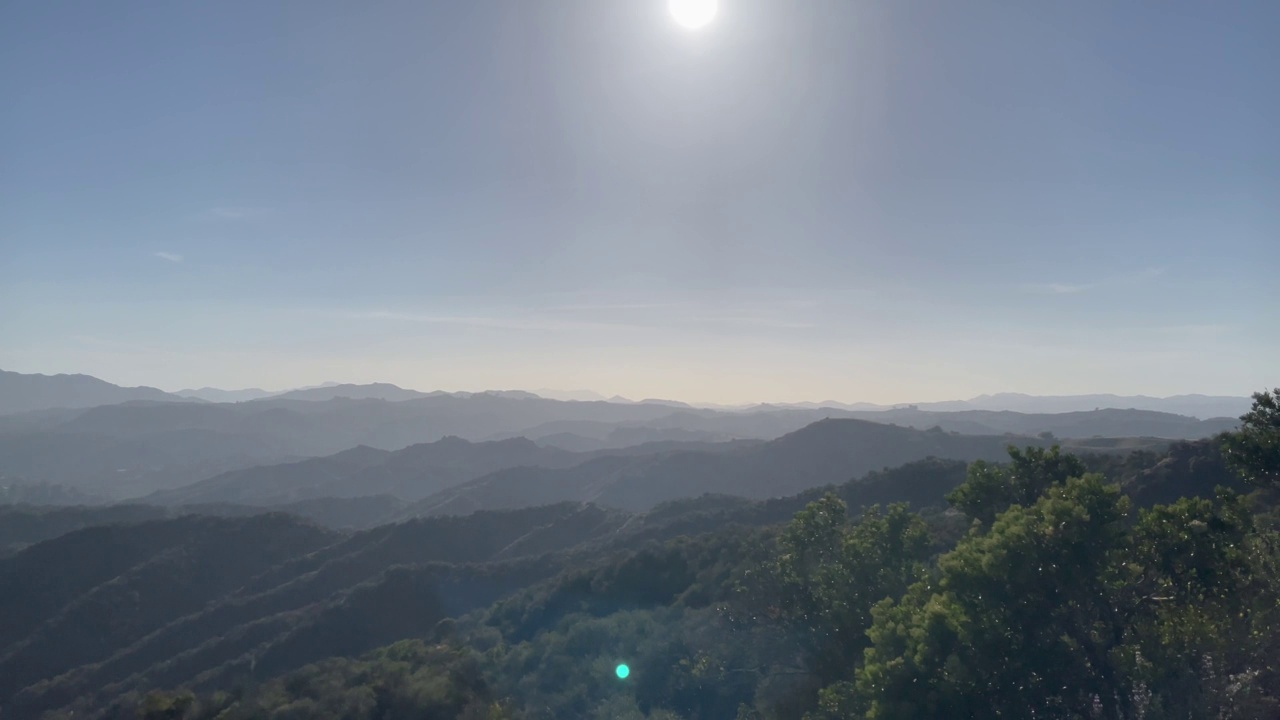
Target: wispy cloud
column 513, row 322
column 1144, row 274
column 1124, row 279
column 1060, row 288
column 234, row 212
column 171, row 257
column 674, row 315
column 1196, row 329
column 615, row 306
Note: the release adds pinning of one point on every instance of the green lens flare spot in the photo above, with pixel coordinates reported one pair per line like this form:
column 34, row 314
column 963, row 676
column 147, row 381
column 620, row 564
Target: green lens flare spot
column 622, row 670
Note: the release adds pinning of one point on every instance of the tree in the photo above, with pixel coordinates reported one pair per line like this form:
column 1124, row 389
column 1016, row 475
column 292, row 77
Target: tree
column 819, row 591
column 1020, row 618
column 1253, row 451
column 1066, row 609
column 989, row 489
column 1199, row 583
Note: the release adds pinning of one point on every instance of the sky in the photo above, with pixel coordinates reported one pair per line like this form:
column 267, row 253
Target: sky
column 804, row 200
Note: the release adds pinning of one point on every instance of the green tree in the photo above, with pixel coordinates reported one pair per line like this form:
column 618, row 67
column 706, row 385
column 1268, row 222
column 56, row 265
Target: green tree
column 1019, row 618
column 1253, row 451
column 832, row 573
column 1067, row 609
column 1200, row 586
column 990, row 489
column 819, row 590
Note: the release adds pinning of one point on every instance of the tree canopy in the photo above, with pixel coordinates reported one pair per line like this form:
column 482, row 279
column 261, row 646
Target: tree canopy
column 1254, row 450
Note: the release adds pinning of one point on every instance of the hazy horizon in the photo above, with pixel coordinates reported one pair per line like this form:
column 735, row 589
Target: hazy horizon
column 580, row 393
column 864, row 201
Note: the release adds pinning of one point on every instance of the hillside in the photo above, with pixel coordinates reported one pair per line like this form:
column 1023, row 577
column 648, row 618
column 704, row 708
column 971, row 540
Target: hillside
column 78, row 598
column 409, row 474
column 216, row 596
column 824, row 453
column 218, row 604
column 24, row 525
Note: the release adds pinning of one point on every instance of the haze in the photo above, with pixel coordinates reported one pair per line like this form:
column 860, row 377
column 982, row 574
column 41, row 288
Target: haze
column 799, row 201
column 639, row 360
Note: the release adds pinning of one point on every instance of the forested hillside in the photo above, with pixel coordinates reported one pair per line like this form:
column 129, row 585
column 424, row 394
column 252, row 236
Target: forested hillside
column 1121, row 586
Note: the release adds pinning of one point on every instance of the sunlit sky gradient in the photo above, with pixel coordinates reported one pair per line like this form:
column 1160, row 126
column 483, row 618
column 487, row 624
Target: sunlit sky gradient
column 834, row 199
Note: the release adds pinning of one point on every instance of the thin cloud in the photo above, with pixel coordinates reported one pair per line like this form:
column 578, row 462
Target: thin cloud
column 571, row 322
column 766, row 322
column 1150, row 273
column 1132, row 278
column 234, row 212
column 171, row 257
column 1059, row 288
column 609, row 307
column 481, row 321
column 1196, row 329
column 1067, row 288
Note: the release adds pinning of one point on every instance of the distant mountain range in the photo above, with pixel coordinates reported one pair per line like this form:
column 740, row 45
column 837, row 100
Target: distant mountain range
column 1107, row 422
column 823, row 453
column 140, row 446
column 1197, row 406
column 372, row 391
column 209, row 394
column 457, row 477
column 23, row 393
column 769, row 422
column 131, row 449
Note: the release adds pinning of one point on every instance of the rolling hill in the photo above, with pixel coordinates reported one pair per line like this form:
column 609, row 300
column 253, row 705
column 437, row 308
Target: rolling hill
column 128, row 450
column 94, row 617
column 823, row 453
column 409, row 474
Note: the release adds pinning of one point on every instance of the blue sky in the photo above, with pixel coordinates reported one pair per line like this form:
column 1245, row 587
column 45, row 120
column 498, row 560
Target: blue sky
column 827, row 199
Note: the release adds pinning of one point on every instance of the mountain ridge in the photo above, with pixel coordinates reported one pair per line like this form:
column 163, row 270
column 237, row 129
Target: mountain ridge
column 23, row 392
column 127, row 450
column 822, row 453
column 1196, row 405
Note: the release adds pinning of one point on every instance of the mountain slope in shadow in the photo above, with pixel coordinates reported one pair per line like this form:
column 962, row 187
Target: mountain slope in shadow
column 824, row 453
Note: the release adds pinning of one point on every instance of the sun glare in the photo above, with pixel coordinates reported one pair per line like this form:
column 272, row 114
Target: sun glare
column 693, row 14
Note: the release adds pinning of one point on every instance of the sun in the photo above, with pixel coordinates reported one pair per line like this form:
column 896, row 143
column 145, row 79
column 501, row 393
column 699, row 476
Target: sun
column 693, row 14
